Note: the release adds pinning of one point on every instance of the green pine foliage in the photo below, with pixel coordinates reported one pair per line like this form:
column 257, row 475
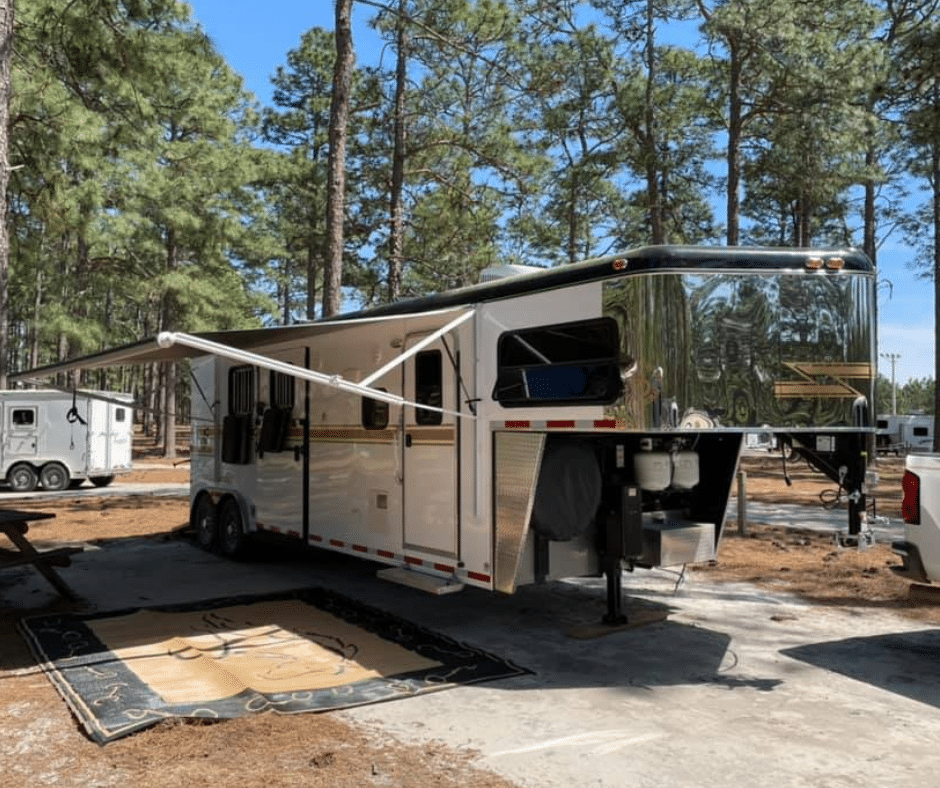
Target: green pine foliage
column 149, row 191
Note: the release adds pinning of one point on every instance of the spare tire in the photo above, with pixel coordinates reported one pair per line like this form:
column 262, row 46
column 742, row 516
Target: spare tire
column 568, row 492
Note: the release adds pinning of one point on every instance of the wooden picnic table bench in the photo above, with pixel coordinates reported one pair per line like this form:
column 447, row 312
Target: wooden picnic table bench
column 15, row 523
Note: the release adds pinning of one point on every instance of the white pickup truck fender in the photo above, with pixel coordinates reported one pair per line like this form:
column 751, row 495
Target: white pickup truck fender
column 920, row 549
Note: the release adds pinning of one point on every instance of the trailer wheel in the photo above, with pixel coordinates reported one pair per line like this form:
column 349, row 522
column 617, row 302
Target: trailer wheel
column 54, row 476
column 22, row 478
column 204, row 519
column 101, row 481
column 232, row 536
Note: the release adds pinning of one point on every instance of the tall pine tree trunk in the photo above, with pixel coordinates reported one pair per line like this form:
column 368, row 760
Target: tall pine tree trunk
column 336, row 178
column 397, row 229
column 6, row 57
column 653, row 195
column 735, row 126
column 169, row 368
column 935, row 180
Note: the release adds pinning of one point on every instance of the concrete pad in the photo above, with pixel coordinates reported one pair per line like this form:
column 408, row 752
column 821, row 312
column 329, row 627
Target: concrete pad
column 724, row 685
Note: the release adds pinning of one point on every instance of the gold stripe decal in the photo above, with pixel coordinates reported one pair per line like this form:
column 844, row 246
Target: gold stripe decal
column 822, row 380
column 350, row 435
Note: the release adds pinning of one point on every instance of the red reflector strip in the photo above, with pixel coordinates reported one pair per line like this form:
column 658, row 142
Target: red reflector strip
column 415, row 561
column 604, row 424
column 478, row 576
column 385, row 553
column 560, row 425
column 517, row 425
column 444, row 568
column 360, row 549
column 316, row 538
column 337, row 543
column 910, row 506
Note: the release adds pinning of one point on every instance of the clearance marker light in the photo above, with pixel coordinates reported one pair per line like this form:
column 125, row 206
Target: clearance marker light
column 814, row 263
column 835, row 263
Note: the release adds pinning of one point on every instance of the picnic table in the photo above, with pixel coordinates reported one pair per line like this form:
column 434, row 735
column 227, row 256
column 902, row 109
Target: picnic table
column 15, row 523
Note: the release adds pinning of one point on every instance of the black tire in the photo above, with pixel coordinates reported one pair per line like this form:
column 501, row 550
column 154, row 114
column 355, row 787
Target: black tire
column 22, row 477
column 232, row 537
column 204, row 519
column 54, row 476
column 101, row 481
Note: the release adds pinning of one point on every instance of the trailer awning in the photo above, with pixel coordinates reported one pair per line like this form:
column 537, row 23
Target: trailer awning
column 249, row 346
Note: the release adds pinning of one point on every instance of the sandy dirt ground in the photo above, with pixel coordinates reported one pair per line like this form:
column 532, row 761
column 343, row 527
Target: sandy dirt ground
column 41, row 744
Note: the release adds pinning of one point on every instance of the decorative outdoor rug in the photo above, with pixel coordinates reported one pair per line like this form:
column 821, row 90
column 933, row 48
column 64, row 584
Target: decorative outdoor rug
column 309, row 650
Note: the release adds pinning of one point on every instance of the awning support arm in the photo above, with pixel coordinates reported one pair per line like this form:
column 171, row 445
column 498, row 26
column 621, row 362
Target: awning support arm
column 416, row 348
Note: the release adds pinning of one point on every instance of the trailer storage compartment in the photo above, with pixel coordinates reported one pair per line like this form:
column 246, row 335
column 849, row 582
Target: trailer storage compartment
column 669, row 540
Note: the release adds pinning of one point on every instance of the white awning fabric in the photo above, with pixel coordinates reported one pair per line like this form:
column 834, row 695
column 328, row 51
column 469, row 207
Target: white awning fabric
column 248, row 347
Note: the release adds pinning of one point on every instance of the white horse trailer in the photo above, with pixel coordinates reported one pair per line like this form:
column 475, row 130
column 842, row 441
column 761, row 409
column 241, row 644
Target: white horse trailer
column 568, row 422
column 904, row 433
column 57, row 439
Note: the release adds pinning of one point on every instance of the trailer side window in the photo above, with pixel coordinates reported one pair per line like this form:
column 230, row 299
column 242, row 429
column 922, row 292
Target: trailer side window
column 920, row 432
column 569, row 363
column 23, row 417
column 241, row 391
column 282, row 390
column 428, row 381
column 120, row 415
column 237, row 424
column 374, row 413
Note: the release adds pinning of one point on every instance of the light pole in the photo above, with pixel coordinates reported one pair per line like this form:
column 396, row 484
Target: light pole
column 893, row 357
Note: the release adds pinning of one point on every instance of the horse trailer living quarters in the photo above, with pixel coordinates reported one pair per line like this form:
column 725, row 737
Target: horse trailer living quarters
column 56, row 439
column 567, row 422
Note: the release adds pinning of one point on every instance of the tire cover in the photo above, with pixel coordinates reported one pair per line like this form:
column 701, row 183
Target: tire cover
column 568, row 491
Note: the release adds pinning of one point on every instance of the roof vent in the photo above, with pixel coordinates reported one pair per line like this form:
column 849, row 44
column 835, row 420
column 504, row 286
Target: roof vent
column 503, row 271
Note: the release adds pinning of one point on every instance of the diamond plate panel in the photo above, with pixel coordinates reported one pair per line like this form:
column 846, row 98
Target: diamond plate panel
column 517, row 457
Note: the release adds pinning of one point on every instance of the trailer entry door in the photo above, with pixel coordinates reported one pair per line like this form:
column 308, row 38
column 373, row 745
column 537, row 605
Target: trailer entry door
column 22, row 437
column 430, row 452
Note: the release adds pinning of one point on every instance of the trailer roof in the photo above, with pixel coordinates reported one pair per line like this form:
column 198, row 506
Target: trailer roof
column 647, row 259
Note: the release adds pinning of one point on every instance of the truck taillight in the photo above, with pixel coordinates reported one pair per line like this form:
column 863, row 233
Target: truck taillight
column 910, row 506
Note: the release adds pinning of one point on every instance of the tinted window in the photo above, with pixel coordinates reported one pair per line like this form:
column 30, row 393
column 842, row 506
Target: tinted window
column 568, row 363
column 428, row 381
column 374, row 413
column 23, row 417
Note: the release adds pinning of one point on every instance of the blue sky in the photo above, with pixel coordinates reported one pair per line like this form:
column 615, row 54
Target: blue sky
column 256, row 44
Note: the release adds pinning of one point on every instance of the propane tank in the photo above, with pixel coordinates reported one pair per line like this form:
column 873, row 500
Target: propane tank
column 652, row 469
column 684, row 469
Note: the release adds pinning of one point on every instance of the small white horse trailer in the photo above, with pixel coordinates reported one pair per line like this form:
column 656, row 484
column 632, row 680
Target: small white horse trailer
column 563, row 423
column 904, row 433
column 57, row 439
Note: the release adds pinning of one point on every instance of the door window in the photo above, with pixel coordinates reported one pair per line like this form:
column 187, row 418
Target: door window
column 23, row 417
column 428, row 382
